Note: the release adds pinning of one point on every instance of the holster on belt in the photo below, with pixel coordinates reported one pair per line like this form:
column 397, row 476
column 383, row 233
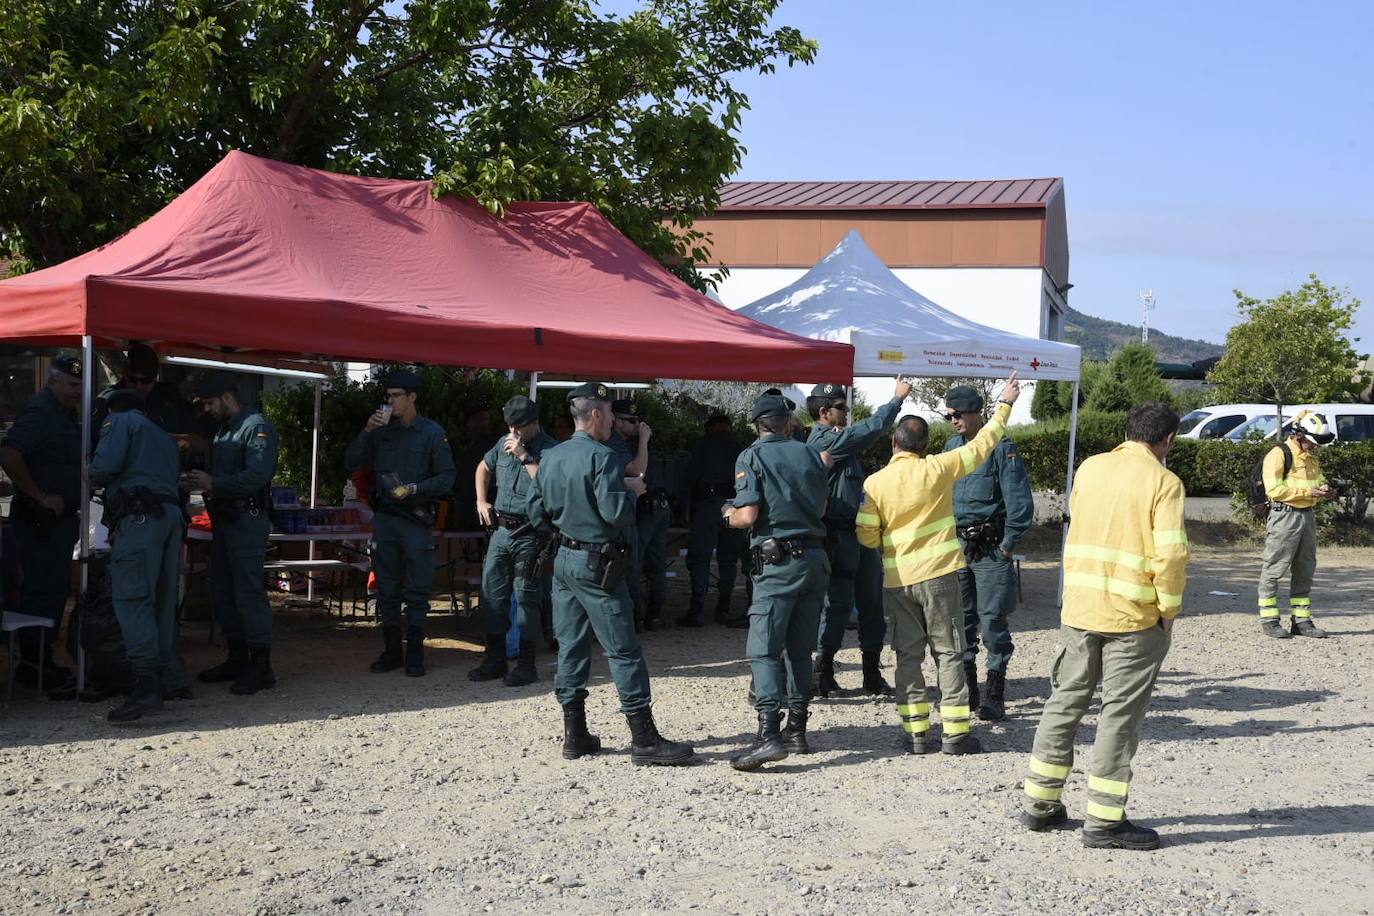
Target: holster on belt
column 609, row 562
column 415, row 513
column 137, row 501
column 981, row 539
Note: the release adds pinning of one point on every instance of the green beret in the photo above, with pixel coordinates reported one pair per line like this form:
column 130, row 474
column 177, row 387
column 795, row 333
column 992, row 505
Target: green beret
column 67, row 365
column 769, row 405
column 217, row 383
column 520, row 411
column 964, row 399
column 829, row 390
column 402, row 378
column 597, row 391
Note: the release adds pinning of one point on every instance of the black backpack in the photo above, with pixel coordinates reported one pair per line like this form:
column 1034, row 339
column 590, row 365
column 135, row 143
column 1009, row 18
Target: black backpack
column 1255, row 494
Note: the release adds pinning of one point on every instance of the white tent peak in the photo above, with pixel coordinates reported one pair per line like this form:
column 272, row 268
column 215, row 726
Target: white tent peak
column 853, row 297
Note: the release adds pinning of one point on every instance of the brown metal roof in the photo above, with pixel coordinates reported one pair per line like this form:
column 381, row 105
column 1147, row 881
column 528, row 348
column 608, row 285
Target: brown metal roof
column 888, row 195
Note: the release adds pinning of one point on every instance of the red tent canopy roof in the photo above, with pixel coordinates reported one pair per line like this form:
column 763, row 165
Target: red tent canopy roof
column 274, row 258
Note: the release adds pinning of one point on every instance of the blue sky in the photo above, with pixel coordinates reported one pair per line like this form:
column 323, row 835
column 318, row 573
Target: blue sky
column 1204, row 146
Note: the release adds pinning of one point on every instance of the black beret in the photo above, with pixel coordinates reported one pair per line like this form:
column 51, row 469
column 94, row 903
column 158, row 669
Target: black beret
column 217, row 383
column 829, row 390
column 520, row 411
column 143, row 360
column 594, row 390
column 122, row 399
column 964, row 399
column 67, row 365
column 625, row 408
column 402, row 378
column 769, row 405
column 791, row 404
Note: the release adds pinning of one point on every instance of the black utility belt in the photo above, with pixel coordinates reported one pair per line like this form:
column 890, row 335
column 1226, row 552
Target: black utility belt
column 777, row 551
column 606, row 561
column 1284, row 507
column 590, row 546
column 991, row 530
column 510, row 521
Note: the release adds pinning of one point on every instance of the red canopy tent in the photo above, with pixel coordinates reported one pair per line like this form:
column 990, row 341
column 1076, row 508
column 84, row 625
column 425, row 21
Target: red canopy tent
column 280, row 259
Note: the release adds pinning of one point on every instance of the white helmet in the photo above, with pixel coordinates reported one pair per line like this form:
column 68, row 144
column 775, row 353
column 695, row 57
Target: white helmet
column 1311, row 425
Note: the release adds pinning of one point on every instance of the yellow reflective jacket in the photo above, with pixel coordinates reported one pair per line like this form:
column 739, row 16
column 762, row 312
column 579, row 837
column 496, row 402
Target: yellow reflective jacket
column 1303, row 476
column 908, row 507
column 1126, row 557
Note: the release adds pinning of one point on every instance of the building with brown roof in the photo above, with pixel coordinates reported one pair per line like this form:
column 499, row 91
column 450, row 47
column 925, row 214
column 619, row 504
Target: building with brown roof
column 996, row 252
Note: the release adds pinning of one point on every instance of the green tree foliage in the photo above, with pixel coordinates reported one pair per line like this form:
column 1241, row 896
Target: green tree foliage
column 930, row 392
column 1045, row 402
column 1292, row 348
column 1135, row 365
column 108, row 110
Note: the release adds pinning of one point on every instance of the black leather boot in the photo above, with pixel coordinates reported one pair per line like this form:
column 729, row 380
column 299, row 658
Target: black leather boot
column 873, row 675
column 767, row 749
column 794, row 732
column 493, row 660
column 653, row 617
column 1124, row 835
column 693, row 616
column 415, row 651
column 971, row 678
column 524, row 671
column 1271, row 626
column 723, row 608
column 649, row 748
column 259, row 675
column 145, row 698
column 993, row 706
column 1303, row 626
column 577, row 741
column 823, row 674
column 391, row 657
column 230, row 668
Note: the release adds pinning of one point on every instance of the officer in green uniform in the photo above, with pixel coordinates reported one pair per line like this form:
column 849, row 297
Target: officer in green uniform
column 780, row 495
column 237, row 484
column 993, row 508
column 513, row 555
column 634, row 462
column 856, row 572
column 42, row 455
column 138, row 465
column 414, row 466
column 711, row 481
column 581, row 489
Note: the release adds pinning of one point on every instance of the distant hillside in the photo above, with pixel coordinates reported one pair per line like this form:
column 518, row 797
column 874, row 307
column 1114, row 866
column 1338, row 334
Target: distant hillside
column 1099, row 338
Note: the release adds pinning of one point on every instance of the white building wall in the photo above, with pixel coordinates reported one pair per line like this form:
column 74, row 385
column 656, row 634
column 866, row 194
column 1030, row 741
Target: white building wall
column 1021, row 300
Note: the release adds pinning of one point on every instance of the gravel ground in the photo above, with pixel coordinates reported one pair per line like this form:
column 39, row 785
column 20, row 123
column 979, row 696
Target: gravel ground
column 345, row 792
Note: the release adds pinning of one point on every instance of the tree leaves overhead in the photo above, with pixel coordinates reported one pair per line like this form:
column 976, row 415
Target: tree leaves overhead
column 108, row 110
column 1291, row 349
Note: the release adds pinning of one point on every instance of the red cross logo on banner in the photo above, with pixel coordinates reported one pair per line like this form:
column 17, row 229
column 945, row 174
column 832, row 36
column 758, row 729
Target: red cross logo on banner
column 1035, row 364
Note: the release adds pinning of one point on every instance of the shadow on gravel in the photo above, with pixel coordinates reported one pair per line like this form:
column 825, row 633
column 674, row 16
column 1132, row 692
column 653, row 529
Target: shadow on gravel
column 1271, row 823
column 1164, row 727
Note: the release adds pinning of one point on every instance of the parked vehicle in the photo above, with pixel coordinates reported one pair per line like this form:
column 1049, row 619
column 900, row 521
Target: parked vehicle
column 1216, row 421
column 1350, row 422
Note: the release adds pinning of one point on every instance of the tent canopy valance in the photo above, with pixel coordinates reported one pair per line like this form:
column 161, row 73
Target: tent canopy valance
column 265, row 257
column 851, row 296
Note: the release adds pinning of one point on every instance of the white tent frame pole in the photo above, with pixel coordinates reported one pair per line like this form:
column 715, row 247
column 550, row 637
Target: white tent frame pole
column 314, row 477
column 1068, row 488
column 88, row 371
column 534, row 385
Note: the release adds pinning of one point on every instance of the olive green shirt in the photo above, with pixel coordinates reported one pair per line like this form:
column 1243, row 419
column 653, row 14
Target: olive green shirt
column 134, row 452
column 418, row 454
column 513, row 479
column 243, row 456
column 580, row 488
column 786, row 480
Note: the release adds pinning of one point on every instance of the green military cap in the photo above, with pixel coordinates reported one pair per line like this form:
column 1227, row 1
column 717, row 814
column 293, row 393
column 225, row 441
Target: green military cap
column 405, row 379
column 791, row 404
column 829, row 390
column 520, row 411
column 597, row 391
column 769, row 405
column 217, row 383
column 67, row 365
column 964, row 399
column 122, row 399
column 625, row 409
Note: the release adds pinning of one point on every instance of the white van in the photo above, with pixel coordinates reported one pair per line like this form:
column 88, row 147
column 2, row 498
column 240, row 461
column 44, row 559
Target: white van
column 1350, row 422
column 1218, row 420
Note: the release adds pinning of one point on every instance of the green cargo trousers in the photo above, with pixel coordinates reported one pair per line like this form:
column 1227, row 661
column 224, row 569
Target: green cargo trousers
column 503, row 569
column 1126, row 664
column 145, row 568
column 403, row 559
column 783, row 617
column 987, row 588
column 582, row 607
column 930, row 615
column 237, row 591
column 1290, row 545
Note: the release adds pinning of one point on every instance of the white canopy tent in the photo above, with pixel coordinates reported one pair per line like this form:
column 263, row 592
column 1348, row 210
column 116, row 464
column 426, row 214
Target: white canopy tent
column 851, row 296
